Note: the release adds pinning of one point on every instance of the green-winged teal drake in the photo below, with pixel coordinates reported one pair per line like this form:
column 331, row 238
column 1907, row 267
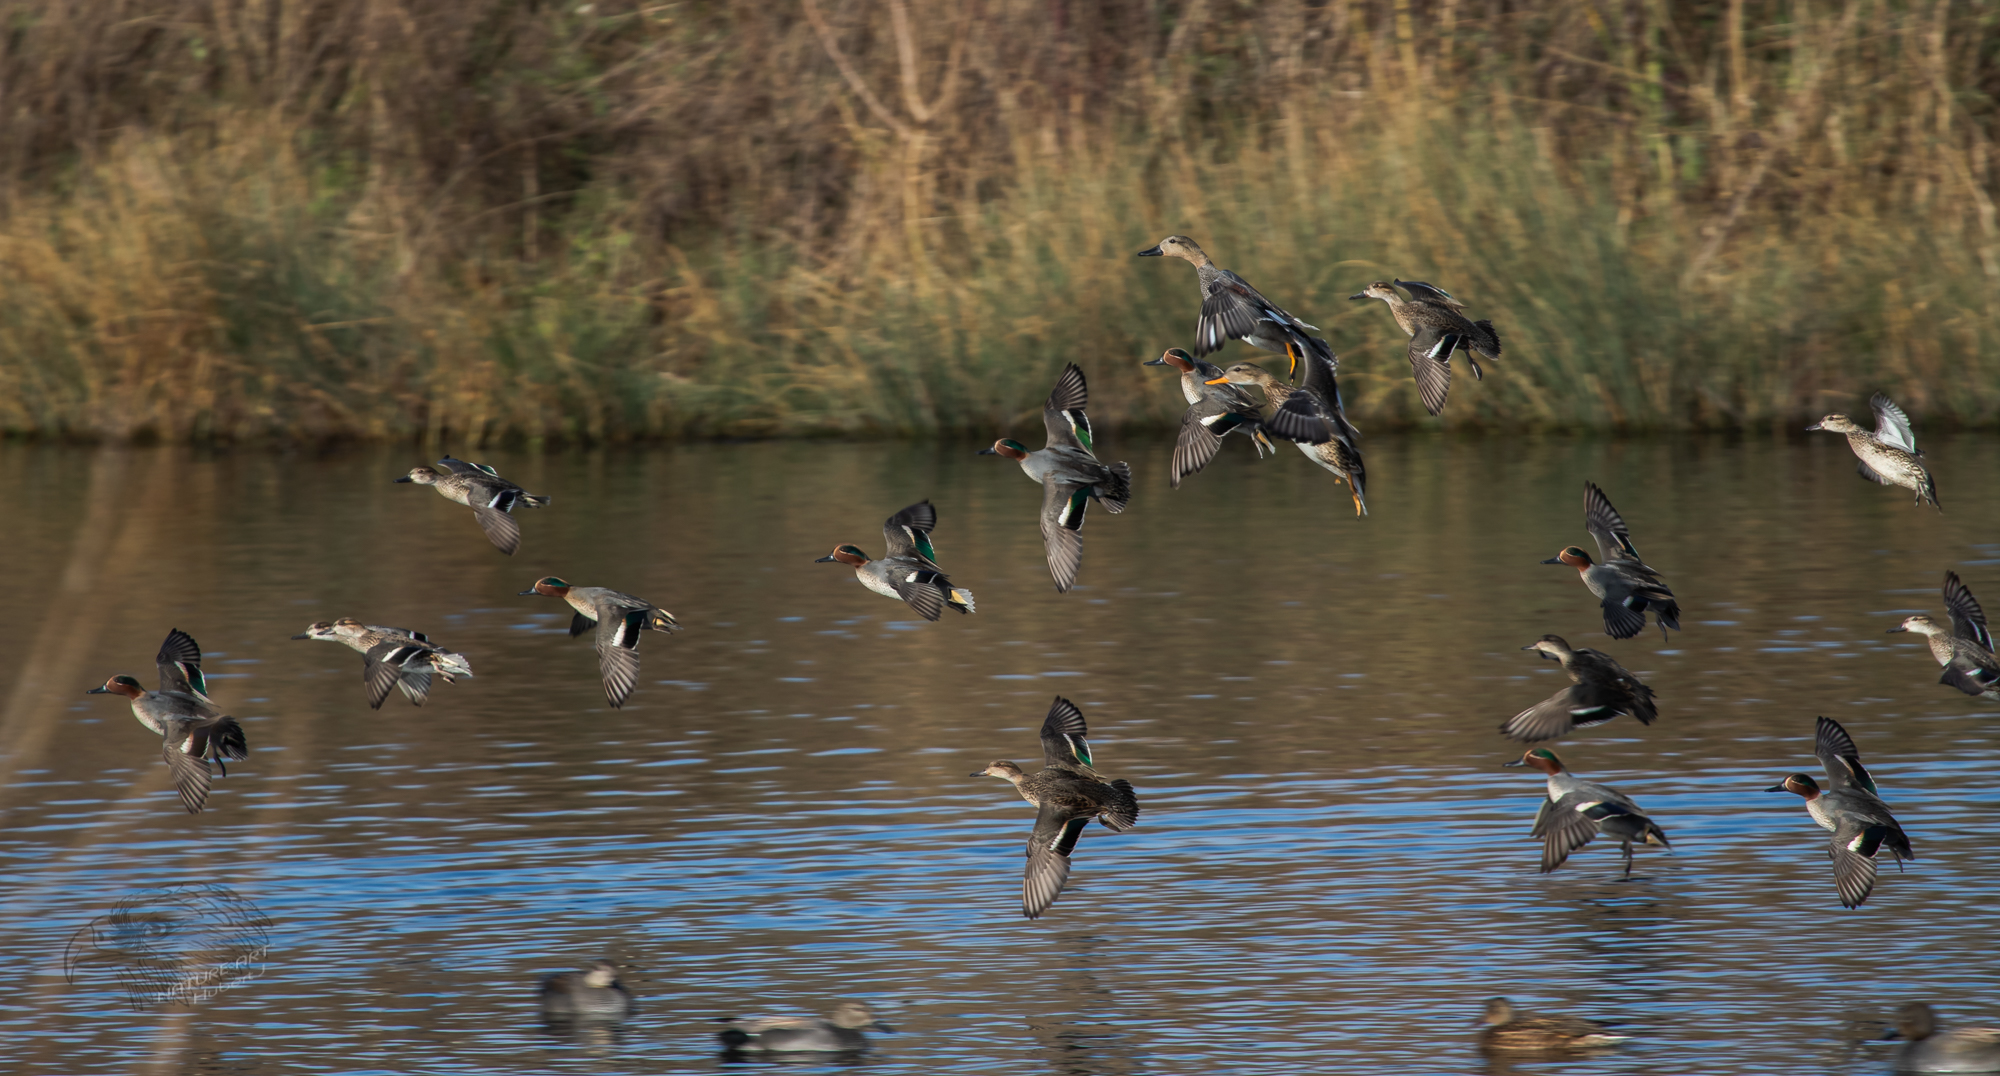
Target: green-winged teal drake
column 839, row 1033
column 1600, row 690
column 1310, row 416
column 480, row 488
column 1215, row 410
column 1233, row 310
column 1931, row 1049
column 1067, row 793
column 1966, row 649
column 1437, row 326
column 1576, row 810
column 193, row 731
column 1622, row 582
column 1851, row 809
column 619, row 620
column 1888, row 453
column 908, row 571
column 591, row 994
column 1070, row 474
column 1509, row 1030
column 392, row 657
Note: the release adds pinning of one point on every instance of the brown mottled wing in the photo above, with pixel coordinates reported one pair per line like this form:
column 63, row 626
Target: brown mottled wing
column 192, row 776
column 1197, row 444
column 500, row 528
column 1614, row 539
column 1063, row 508
column 1430, row 365
column 1546, row 720
column 1968, row 620
column 1230, row 310
column 1430, row 293
column 1055, row 837
column 1565, row 830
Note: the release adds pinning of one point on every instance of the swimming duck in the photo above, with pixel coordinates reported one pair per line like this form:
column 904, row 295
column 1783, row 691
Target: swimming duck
column 1508, row 1030
column 1965, row 651
column 392, row 657
column 839, row 1033
column 1437, row 326
column 1070, row 474
column 1851, row 809
column 1311, row 417
column 1577, row 810
column 618, row 618
column 591, row 994
column 1888, row 454
column 1600, row 690
column 1233, row 310
column 1960, row 1049
column 193, row 731
column 1623, row 583
column 907, row 571
column 479, row 487
column 1214, row 411
column 1068, row 794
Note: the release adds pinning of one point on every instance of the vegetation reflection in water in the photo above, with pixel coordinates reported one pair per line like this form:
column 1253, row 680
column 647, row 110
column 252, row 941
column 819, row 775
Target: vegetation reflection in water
column 1332, row 862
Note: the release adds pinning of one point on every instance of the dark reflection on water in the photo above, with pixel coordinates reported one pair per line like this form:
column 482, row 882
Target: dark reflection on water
column 1331, row 874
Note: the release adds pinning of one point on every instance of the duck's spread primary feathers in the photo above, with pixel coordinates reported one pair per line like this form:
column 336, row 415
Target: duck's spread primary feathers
column 1068, row 793
column 1437, row 327
column 1965, row 649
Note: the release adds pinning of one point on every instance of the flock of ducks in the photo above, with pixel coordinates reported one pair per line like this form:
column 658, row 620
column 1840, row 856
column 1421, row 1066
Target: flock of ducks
column 1304, row 408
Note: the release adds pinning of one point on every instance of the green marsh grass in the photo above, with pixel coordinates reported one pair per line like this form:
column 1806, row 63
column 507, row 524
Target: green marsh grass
column 410, row 220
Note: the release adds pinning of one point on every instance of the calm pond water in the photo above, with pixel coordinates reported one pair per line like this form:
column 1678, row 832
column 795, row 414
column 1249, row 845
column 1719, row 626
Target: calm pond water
column 1331, row 873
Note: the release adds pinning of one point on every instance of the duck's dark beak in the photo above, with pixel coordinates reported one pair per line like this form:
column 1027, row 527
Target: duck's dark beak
column 1516, row 762
column 828, row 559
column 303, row 635
column 1813, row 427
column 1553, row 560
column 405, row 478
column 986, row 452
column 1155, row 252
column 975, row 773
column 1161, row 361
column 1779, row 787
column 530, row 590
column 99, row 690
column 1895, row 629
column 1357, row 295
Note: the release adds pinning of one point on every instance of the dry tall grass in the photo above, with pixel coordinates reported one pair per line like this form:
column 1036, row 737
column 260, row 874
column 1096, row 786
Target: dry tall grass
column 319, row 218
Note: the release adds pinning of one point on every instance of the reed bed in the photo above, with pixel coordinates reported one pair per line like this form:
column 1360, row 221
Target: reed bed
column 244, row 219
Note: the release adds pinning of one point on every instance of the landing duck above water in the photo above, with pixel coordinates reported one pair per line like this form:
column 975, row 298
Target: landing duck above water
column 1600, row 690
column 1068, row 793
column 193, row 731
column 1966, row 648
column 1851, row 809
column 1437, row 326
column 480, row 488
column 1888, row 453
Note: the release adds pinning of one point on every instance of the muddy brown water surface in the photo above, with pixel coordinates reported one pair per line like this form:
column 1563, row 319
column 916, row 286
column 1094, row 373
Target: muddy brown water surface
column 1331, row 872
